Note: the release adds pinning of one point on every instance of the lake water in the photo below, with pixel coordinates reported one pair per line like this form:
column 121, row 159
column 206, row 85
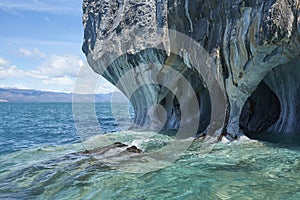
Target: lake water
column 39, row 159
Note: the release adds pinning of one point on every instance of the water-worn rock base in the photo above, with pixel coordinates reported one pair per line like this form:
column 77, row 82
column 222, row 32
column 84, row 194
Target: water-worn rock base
column 254, row 46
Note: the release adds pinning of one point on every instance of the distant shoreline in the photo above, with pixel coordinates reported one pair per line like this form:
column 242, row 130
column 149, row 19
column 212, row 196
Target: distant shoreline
column 38, row 96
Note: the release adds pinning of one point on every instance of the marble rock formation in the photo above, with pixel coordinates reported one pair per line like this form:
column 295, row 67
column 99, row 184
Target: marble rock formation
column 254, row 45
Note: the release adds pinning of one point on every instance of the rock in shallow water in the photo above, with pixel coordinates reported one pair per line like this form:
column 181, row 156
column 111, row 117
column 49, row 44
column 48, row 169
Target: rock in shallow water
column 133, row 149
column 116, row 145
column 249, row 42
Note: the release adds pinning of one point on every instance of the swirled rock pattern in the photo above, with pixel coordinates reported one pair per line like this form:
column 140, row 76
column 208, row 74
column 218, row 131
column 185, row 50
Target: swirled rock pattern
column 254, row 44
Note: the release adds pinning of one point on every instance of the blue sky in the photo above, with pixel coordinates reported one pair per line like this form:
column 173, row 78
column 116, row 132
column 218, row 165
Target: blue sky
column 41, row 45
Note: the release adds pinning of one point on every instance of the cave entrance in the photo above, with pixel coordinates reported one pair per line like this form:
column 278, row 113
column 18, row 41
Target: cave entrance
column 162, row 111
column 272, row 112
column 261, row 111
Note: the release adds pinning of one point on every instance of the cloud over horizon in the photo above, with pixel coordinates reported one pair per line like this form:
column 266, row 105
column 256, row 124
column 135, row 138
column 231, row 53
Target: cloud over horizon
column 41, row 46
column 59, row 72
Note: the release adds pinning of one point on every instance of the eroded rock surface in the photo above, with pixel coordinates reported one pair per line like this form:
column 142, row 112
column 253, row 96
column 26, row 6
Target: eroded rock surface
column 253, row 43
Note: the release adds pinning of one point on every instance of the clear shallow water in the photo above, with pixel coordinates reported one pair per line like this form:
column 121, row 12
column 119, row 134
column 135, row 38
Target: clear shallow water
column 39, row 159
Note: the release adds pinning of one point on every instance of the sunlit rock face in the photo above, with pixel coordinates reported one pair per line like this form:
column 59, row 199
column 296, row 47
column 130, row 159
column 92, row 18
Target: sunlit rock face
column 254, row 44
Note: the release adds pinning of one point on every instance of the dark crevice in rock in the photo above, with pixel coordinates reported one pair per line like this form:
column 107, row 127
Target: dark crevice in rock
column 261, row 110
column 274, row 107
column 284, row 80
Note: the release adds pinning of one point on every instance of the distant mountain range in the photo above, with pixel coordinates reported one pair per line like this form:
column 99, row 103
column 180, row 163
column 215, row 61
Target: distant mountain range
column 20, row 95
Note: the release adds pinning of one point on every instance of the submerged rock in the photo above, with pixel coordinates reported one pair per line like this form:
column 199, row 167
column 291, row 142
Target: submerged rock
column 254, row 45
column 133, row 149
column 114, row 146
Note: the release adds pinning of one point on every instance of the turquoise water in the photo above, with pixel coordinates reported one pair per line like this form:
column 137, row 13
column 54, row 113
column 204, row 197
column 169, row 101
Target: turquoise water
column 39, row 159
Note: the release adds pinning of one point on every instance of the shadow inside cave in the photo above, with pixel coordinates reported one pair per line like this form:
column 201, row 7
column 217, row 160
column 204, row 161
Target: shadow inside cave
column 292, row 139
column 272, row 112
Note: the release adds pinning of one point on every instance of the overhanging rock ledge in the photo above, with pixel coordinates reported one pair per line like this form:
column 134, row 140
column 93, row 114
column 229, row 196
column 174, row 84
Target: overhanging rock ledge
column 254, row 45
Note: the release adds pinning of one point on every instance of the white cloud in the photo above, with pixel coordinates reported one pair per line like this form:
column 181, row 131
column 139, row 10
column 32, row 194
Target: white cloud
column 11, row 72
column 35, row 53
column 25, row 52
column 59, row 66
column 104, row 86
column 88, row 82
column 38, row 53
column 18, row 86
column 58, row 70
column 59, row 81
column 3, row 62
column 57, row 73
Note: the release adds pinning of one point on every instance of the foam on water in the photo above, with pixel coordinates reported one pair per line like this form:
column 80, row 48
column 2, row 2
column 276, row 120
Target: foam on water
column 236, row 170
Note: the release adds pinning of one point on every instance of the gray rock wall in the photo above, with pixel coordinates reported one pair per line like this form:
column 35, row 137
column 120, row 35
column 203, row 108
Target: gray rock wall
column 254, row 45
